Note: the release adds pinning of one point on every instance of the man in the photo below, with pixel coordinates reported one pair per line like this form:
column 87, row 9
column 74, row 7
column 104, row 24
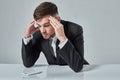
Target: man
column 60, row 41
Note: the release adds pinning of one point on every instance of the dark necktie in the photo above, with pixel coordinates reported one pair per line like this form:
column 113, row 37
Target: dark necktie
column 51, row 47
column 57, row 43
column 57, row 57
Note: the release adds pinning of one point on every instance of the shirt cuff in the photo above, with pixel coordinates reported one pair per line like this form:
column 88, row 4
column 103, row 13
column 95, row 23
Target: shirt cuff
column 27, row 40
column 61, row 45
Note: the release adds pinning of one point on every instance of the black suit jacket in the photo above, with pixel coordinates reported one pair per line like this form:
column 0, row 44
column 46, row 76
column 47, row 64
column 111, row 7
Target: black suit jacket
column 71, row 54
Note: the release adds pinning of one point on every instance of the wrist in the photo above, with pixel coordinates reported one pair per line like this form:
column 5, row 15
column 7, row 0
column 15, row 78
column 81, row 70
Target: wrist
column 62, row 39
column 27, row 36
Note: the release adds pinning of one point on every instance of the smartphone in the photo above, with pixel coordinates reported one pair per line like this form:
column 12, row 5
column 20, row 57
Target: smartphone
column 35, row 24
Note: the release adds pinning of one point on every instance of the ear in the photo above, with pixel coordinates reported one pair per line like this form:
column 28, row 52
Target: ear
column 58, row 17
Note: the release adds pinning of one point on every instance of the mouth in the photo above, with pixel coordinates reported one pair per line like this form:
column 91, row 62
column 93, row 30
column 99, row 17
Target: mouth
column 44, row 33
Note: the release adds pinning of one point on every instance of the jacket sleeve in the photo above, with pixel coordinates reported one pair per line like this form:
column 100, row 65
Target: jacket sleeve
column 73, row 53
column 30, row 53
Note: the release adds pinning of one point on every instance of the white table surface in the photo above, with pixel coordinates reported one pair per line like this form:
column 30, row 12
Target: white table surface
column 55, row 72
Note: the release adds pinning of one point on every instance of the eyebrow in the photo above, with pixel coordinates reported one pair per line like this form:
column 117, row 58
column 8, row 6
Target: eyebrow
column 47, row 23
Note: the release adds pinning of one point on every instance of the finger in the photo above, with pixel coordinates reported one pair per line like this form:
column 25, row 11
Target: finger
column 54, row 21
column 32, row 21
column 36, row 29
column 53, row 25
column 31, row 24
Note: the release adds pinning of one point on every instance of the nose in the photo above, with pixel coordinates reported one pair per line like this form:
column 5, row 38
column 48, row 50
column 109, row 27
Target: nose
column 42, row 29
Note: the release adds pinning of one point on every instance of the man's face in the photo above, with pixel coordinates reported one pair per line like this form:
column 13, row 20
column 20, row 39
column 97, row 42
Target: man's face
column 45, row 27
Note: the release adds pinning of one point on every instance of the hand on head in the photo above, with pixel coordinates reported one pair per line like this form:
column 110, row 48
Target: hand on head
column 30, row 29
column 58, row 27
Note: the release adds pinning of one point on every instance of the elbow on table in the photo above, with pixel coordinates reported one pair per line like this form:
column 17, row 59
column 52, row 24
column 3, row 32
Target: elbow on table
column 78, row 69
column 27, row 65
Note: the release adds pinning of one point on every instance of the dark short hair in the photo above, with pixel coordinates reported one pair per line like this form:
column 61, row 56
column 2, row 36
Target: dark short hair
column 45, row 8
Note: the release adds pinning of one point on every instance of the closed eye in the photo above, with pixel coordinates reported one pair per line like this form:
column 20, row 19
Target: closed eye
column 47, row 25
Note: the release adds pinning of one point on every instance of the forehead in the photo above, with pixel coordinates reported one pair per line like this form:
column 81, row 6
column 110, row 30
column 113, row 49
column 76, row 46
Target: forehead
column 44, row 20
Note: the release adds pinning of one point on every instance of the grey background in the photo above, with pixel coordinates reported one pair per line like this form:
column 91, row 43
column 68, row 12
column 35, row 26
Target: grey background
column 100, row 20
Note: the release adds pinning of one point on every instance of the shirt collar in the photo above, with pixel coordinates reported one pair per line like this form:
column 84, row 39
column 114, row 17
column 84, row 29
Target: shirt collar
column 54, row 38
